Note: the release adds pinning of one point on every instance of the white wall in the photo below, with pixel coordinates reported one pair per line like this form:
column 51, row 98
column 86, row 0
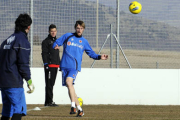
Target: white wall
column 114, row 86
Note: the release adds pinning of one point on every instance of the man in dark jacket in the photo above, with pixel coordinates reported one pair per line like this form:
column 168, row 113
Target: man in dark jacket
column 51, row 62
column 14, row 67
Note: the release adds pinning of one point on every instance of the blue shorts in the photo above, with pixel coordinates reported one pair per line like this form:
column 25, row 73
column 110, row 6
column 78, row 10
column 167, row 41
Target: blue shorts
column 68, row 73
column 13, row 100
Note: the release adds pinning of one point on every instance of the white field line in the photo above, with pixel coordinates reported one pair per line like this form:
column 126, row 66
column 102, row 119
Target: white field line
column 35, row 107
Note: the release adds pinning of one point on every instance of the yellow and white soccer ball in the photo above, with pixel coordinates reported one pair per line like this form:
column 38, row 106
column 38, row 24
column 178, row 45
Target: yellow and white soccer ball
column 80, row 101
column 135, row 7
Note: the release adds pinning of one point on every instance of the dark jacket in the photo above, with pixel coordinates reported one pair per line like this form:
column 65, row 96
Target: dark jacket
column 14, row 61
column 50, row 55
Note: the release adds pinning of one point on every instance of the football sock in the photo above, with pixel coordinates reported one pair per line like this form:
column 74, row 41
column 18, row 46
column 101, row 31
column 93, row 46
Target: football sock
column 73, row 104
column 79, row 107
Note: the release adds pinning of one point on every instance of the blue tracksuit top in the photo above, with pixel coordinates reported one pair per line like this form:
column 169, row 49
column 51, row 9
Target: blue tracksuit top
column 14, row 61
column 73, row 48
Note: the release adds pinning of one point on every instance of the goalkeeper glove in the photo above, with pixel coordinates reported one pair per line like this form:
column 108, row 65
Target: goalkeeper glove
column 30, row 86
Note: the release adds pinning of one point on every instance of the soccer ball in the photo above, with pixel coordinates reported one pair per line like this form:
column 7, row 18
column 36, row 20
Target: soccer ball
column 135, row 7
column 80, row 101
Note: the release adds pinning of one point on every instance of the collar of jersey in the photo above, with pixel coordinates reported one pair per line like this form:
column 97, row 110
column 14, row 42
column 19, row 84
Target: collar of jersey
column 75, row 34
column 52, row 38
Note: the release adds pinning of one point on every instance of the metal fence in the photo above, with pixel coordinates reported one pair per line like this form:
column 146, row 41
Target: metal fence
column 149, row 39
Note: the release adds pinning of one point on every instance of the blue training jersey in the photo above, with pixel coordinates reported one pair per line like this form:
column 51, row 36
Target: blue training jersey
column 73, row 49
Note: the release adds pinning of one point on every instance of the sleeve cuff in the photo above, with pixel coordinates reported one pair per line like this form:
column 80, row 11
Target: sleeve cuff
column 27, row 78
column 99, row 57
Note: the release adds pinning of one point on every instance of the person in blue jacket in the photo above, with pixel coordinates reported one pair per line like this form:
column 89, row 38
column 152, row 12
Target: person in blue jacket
column 14, row 67
column 74, row 44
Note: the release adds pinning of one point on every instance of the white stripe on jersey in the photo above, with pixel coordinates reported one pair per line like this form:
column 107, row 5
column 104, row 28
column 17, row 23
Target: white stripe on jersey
column 23, row 48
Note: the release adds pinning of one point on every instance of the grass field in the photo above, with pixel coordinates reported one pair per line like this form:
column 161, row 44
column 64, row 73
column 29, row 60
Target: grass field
column 105, row 112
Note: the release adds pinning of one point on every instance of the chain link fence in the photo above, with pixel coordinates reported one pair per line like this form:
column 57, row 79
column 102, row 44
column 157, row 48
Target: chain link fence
column 149, row 39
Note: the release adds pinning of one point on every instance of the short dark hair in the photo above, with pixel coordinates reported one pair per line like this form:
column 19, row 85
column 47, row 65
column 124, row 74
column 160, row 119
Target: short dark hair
column 52, row 26
column 22, row 22
column 79, row 22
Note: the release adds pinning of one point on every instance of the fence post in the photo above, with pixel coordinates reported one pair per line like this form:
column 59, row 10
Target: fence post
column 97, row 23
column 111, row 48
column 31, row 33
column 118, row 24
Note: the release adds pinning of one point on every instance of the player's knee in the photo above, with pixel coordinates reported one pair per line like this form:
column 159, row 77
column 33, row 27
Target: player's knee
column 68, row 83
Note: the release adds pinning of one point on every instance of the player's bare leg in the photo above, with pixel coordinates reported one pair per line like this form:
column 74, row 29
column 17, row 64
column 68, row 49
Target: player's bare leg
column 72, row 95
column 76, row 100
column 80, row 111
column 71, row 90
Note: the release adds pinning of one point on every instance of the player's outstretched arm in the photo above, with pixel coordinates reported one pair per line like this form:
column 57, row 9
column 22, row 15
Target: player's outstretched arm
column 104, row 57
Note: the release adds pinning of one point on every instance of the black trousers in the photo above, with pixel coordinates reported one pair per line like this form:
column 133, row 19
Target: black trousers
column 50, row 77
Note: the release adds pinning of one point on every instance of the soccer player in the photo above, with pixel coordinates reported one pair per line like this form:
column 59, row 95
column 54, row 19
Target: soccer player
column 14, row 66
column 74, row 44
column 51, row 62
